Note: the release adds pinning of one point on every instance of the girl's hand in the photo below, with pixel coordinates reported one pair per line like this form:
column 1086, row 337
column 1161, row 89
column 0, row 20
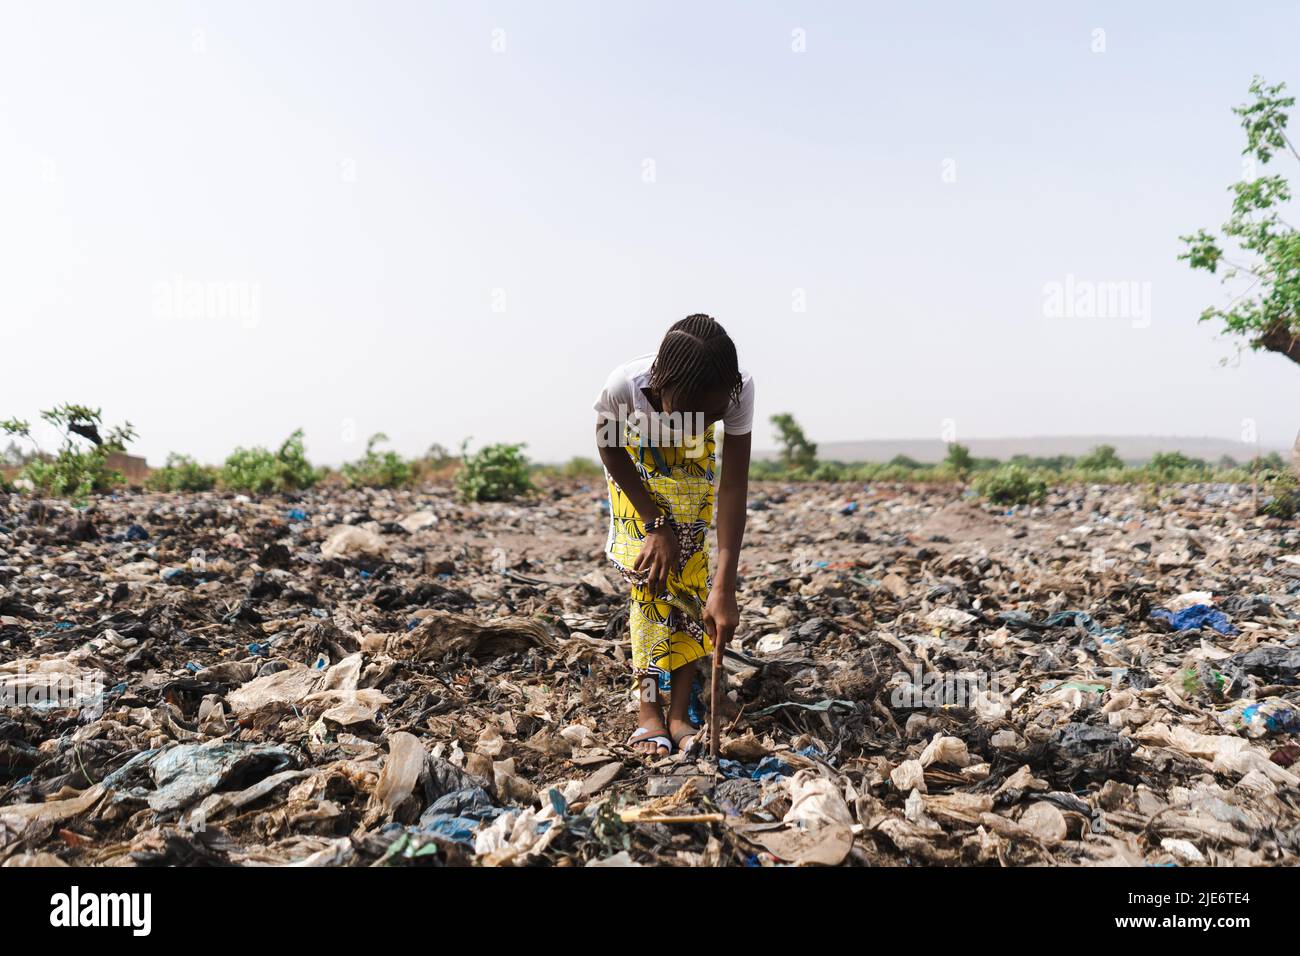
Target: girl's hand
column 721, row 616
column 658, row 558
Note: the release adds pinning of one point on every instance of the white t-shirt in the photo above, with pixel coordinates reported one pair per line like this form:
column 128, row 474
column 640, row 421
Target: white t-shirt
column 623, row 389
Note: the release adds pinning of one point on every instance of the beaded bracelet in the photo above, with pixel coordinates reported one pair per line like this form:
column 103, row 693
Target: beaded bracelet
column 654, row 524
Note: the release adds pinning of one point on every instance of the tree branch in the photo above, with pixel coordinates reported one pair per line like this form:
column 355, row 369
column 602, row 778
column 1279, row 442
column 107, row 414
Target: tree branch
column 1281, row 339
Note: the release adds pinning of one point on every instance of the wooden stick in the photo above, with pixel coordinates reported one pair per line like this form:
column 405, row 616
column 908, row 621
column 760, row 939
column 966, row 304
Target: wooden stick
column 631, row 816
column 713, row 701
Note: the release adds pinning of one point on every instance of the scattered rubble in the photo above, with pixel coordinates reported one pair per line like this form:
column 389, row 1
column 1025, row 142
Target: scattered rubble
column 365, row 677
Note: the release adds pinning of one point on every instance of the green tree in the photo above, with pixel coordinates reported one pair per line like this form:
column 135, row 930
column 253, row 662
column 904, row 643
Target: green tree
column 959, row 459
column 1257, row 246
column 797, row 452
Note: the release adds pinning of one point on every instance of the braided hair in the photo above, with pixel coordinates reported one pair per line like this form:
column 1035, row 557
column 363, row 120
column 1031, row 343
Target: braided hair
column 696, row 357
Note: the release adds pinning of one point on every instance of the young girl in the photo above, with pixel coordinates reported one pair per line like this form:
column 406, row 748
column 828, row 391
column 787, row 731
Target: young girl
column 655, row 425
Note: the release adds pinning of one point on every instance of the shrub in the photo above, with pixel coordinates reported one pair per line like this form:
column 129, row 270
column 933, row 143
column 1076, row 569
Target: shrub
column 182, row 473
column 765, row 470
column 258, row 470
column 438, row 457
column 493, row 473
column 1101, row 458
column 1011, row 485
column 579, row 467
column 80, row 467
column 376, row 470
column 830, row 471
column 1283, row 500
column 1175, row 466
column 959, row 460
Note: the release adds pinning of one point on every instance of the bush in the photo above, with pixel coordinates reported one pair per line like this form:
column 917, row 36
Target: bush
column 1167, row 466
column 579, row 467
column 765, row 470
column 1283, row 499
column 1100, row 466
column 438, row 457
column 830, row 471
column 257, row 470
column 1011, row 485
column 493, row 473
column 375, row 470
column 182, row 473
column 1101, row 458
column 959, row 460
column 80, row 467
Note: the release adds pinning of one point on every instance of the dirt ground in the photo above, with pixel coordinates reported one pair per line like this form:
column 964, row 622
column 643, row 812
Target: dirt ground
column 392, row 677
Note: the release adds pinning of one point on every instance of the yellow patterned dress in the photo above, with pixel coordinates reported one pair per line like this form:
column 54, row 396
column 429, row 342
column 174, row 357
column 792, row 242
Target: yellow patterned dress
column 667, row 629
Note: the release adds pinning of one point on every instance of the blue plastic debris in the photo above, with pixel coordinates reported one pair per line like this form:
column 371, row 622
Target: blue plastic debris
column 456, row 829
column 695, row 705
column 1196, row 617
column 471, row 802
column 1061, row 619
column 850, row 508
column 259, row 650
column 1276, row 721
column 1257, row 718
column 560, row 805
column 770, row 767
column 1082, row 619
column 297, row 514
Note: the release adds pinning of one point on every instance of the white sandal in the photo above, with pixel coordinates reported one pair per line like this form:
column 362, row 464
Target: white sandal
column 693, row 734
column 643, row 734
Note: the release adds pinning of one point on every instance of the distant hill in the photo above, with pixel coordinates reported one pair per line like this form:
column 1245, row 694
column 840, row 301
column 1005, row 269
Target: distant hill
column 1134, row 449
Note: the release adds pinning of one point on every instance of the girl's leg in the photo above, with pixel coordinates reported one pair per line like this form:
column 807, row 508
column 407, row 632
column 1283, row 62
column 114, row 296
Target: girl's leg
column 680, row 727
column 649, row 636
column 650, row 715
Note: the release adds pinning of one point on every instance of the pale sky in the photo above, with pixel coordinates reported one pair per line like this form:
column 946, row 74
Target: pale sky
column 443, row 220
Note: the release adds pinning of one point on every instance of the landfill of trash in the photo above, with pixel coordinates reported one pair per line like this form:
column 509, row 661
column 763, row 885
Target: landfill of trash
column 391, row 677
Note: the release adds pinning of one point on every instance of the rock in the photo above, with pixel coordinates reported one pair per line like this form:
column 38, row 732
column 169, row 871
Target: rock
column 1045, row 821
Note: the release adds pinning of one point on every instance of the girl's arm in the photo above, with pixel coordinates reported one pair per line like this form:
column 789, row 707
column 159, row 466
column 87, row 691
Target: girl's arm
column 659, row 552
column 720, row 613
